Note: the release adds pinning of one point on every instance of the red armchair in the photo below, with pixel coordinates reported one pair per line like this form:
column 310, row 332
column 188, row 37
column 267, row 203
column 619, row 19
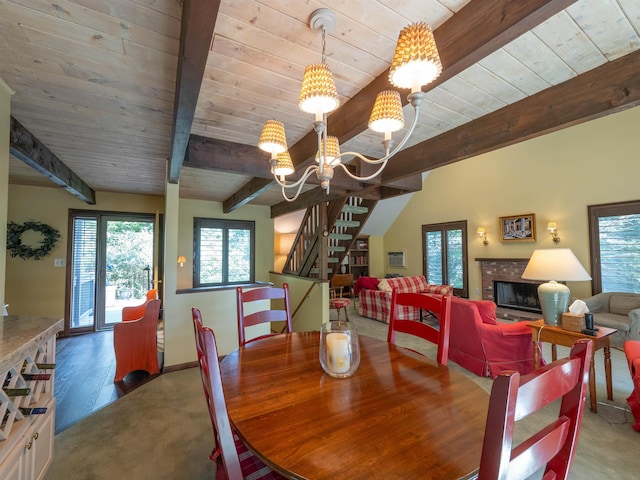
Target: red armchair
column 484, row 346
column 632, row 352
column 134, row 342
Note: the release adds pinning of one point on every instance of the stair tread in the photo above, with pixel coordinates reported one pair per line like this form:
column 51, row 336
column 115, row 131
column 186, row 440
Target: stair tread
column 354, row 209
column 340, row 236
column 347, row 223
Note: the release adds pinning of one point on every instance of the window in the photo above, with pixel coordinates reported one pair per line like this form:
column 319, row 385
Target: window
column 444, row 254
column 224, row 252
column 614, row 232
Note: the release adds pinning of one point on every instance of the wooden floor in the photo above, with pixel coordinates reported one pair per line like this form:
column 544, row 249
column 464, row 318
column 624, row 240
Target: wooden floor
column 85, row 367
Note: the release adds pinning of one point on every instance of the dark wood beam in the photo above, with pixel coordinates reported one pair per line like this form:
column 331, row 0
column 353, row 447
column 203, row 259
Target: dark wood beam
column 198, row 20
column 306, row 200
column 610, row 88
column 476, row 31
column 250, row 190
column 214, row 154
column 26, row 147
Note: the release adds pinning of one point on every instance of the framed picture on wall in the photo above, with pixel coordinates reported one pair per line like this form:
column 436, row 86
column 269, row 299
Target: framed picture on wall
column 518, row 228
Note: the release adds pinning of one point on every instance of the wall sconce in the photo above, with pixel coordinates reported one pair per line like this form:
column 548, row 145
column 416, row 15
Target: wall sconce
column 483, row 236
column 181, row 261
column 553, row 231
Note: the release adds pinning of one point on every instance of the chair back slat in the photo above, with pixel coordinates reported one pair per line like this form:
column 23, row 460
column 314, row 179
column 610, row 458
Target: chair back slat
column 439, row 305
column 514, row 397
column 258, row 297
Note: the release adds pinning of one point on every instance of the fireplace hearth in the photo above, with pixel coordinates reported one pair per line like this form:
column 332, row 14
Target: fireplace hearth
column 517, row 295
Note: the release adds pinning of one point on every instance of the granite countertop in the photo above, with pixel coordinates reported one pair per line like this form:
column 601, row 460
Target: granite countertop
column 21, row 333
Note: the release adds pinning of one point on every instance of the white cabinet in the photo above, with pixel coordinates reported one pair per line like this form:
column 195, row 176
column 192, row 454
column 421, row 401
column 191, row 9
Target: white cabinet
column 31, row 457
column 27, row 381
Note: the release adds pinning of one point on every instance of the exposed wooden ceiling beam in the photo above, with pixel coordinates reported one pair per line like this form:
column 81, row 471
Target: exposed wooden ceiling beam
column 198, row 20
column 612, row 87
column 26, row 147
column 473, row 33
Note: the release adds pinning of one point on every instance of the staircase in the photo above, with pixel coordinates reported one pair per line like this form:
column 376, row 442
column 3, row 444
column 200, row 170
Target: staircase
column 326, row 234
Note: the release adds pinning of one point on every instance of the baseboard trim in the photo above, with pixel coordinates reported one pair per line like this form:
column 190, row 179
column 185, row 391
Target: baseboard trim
column 180, row 366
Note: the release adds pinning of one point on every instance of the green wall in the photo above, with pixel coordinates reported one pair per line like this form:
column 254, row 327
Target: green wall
column 555, row 176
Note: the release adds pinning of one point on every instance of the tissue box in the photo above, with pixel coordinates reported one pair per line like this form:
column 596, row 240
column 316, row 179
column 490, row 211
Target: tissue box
column 573, row 322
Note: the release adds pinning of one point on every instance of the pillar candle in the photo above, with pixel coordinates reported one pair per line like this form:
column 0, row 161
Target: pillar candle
column 338, row 348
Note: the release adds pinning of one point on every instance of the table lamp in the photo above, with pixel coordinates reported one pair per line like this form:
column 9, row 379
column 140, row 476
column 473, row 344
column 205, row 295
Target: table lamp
column 553, row 265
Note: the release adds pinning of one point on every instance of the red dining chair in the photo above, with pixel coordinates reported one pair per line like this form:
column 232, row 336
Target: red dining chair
column 260, row 299
column 514, row 397
column 233, row 459
column 135, row 342
column 439, row 305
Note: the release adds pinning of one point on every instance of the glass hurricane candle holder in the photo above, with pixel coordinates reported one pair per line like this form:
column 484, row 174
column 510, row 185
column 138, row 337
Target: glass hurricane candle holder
column 339, row 349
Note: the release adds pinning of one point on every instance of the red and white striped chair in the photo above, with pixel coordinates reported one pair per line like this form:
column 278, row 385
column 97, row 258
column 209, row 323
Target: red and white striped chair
column 233, row 459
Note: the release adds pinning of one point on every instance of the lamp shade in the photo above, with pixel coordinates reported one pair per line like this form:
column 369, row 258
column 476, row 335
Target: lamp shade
column 554, row 264
column 332, row 150
column 387, row 115
column 272, row 138
column 318, row 93
column 416, row 61
column 284, row 165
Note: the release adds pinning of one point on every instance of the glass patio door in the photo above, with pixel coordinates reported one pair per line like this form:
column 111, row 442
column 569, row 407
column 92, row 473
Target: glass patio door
column 112, row 266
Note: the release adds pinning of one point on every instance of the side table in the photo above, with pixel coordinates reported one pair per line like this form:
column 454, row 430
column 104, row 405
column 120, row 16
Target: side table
column 559, row 336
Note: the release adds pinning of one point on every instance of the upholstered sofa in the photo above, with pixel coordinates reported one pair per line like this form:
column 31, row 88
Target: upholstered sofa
column 617, row 310
column 632, row 352
column 484, row 346
column 374, row 295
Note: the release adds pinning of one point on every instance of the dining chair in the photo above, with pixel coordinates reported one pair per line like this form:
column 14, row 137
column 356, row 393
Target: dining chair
column 439, row 305
column 233, row 459
column 514, row 397
column 135, row 342
column 259, row 300
column 338, row 303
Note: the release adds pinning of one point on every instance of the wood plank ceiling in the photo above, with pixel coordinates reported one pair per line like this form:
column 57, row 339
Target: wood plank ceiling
column 98, row 83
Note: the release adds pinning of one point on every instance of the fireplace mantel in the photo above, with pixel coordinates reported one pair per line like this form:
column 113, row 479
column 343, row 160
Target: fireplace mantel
column 502, row 259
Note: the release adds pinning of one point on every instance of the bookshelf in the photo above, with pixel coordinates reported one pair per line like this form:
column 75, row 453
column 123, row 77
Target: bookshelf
column 359, row 257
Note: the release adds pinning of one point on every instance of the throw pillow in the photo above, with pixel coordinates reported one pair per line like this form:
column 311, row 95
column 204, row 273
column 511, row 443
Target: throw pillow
column 365, row 283
column 384, row 285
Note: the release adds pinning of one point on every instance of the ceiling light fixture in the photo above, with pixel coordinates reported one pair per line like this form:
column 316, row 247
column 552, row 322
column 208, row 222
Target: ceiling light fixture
column 415, row 64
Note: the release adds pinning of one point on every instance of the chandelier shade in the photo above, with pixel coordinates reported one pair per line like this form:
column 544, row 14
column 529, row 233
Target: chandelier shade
column 272, row 138
column 387, row 115
column 332, row 151
column 284, row 165
column 318, row 94
column 416, row 61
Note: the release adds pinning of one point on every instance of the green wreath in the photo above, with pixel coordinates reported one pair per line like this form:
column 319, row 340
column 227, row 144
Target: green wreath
column 17, row 249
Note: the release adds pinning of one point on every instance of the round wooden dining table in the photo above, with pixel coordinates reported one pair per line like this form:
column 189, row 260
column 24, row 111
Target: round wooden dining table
column 400, row 416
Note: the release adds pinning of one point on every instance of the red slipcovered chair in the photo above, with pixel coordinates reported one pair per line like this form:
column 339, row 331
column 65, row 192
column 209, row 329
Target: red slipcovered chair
column 632, row 352
column 484, row 346
column 135, row 342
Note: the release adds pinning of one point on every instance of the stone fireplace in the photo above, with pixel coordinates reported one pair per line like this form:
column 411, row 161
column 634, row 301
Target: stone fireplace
column 502, row 283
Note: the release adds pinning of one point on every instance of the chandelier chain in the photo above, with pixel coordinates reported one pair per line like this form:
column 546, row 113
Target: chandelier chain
column 324, row 45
